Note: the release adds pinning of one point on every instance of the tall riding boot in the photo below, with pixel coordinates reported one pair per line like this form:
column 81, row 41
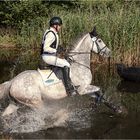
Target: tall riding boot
column 70, row 88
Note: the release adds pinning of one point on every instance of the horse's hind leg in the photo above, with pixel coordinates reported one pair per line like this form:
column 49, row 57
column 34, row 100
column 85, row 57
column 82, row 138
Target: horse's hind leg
column 10, row 109
column 26, row 91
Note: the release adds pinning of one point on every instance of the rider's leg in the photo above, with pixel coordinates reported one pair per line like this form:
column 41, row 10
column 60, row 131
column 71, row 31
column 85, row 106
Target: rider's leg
column 63, row 63
column 55, row 61
column 70, row 88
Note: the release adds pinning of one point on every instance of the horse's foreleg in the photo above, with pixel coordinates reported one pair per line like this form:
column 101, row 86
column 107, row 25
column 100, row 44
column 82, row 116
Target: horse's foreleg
column 97, row 94
column 90, row 90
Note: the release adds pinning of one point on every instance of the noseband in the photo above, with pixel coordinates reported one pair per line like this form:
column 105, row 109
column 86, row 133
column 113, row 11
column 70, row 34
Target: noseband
column 100, row 50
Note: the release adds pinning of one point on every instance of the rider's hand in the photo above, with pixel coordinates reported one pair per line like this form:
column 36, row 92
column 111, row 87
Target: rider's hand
column 61, row 49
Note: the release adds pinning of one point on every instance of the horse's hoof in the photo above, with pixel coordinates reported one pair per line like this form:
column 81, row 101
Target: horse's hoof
column 74, row 93
column 121, row 110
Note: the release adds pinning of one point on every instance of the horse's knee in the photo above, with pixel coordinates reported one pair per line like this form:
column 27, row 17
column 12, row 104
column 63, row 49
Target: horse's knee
column 90, row 89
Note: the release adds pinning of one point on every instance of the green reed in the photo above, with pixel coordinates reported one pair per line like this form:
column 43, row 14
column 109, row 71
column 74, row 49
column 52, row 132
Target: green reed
column 117, row 23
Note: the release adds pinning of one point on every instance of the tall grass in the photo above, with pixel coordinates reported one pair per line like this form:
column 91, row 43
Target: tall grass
column 117, row 23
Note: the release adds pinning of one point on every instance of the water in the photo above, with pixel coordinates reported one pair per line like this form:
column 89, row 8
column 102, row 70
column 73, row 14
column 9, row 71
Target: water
column 78, row 118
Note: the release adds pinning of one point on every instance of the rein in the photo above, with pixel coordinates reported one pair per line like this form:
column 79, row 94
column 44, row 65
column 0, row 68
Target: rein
column 71, row 59
column 79, row 63
column 75, row 53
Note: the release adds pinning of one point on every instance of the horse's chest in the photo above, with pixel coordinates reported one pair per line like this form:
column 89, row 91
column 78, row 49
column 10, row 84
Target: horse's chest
column 81, row 76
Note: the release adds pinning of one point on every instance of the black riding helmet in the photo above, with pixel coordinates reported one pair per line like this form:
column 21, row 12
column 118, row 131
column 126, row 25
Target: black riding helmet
column 56, row 21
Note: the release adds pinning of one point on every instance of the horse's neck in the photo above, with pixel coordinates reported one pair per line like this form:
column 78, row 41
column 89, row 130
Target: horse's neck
column 80, row 69
column 83, row 51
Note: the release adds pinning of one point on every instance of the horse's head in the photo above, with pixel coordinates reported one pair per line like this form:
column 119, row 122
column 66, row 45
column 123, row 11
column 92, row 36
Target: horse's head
column 98, row 46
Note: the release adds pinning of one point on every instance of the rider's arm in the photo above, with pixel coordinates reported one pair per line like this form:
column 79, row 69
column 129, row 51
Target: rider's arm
column 50, row 38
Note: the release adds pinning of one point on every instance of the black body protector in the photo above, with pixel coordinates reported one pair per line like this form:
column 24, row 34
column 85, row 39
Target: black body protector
column 53, row 45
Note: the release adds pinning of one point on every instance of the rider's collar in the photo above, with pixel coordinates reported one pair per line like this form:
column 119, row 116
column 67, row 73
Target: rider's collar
column 53, row 29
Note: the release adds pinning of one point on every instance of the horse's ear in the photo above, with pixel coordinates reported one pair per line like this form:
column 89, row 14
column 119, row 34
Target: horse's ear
column 93, row 33
column 94, row 29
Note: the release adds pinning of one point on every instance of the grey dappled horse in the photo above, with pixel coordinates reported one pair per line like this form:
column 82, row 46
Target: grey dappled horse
column 29, row 89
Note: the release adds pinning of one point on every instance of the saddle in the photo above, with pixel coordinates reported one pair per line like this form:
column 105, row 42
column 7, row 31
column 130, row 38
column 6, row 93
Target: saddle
column 53, row 77
column 44, row 66
column 47, row 73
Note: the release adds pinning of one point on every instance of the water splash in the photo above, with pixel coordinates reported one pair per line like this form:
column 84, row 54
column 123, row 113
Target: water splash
column 27, row 120
column 72, row 112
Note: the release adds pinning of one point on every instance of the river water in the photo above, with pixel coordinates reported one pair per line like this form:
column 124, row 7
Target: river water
column 87, row 121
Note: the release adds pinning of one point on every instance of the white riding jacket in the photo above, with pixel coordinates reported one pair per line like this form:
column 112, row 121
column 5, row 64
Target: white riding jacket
column 49, row 48
column 50, row 36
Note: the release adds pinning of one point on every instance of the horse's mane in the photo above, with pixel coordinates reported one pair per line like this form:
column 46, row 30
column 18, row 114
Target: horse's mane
column 76, row 40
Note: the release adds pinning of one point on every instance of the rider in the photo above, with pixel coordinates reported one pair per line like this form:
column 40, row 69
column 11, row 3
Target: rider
column 49, row 53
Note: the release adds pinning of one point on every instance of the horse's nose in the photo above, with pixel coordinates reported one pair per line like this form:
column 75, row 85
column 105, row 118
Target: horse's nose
column 109, row 53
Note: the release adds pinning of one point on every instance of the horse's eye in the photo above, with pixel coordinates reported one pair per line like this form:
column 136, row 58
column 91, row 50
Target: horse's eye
column 99, row 40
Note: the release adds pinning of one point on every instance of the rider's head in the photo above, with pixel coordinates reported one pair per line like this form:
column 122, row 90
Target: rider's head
column 56, row 22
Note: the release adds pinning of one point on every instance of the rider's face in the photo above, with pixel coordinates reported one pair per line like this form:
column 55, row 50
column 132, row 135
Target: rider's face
column 57, row 27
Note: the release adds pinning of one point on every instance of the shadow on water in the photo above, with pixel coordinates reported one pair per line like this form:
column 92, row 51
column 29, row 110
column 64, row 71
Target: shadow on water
column 84, row 121
column 129, row 87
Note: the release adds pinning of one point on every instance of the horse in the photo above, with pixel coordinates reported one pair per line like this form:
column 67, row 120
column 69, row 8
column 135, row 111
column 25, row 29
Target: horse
column 32, row 87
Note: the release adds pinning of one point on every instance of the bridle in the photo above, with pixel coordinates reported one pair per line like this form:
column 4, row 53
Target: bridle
column 100, row 50
column 71, row 59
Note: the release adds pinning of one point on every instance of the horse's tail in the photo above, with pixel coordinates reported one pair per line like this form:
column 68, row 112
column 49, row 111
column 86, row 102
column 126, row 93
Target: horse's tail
column 4, row 89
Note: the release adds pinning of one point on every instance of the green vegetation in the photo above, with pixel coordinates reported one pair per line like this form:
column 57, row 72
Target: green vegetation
column 117, row 21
